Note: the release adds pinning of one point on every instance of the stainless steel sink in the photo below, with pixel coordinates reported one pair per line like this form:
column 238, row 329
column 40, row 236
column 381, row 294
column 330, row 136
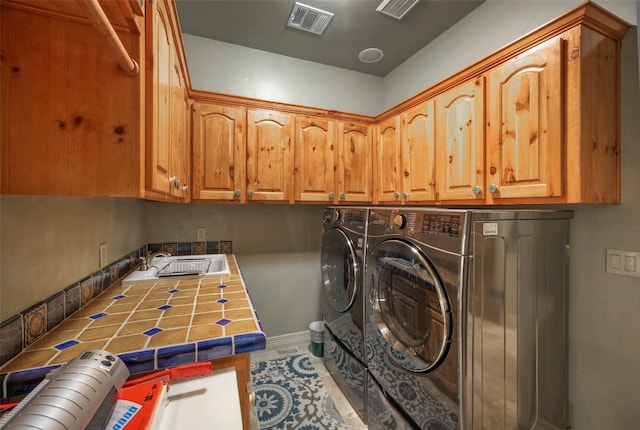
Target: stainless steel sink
column 184, row 265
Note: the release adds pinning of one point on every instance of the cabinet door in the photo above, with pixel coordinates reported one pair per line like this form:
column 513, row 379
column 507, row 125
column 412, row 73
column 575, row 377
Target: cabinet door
column 179, row 133
column 387, row 161
column 314, row 159
column 418, row 154
column 219, row 151
column 460, row 142
column 269, row 156
column 158, row 152
column 354, row 162
column 525, row 125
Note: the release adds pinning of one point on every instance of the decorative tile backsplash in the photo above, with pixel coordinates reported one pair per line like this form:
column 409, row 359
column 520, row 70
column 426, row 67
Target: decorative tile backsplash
column 20, row 331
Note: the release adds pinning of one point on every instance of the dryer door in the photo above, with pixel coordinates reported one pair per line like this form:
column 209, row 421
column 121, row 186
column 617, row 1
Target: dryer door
column 408, row 306
column 340, row 269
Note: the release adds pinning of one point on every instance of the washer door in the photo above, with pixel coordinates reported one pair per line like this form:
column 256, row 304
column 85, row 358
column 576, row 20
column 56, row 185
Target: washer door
column 340, row 269
column 409, row 306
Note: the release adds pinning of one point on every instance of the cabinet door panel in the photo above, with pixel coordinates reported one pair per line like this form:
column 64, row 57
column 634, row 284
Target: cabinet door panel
column 158, row 152
column 219, row 152
column 269, row 156
column 314, row 159
column 460, row 142
column 179, row 132
column 525, row 124
column 354, row 166
column 387, row 161
column 418, row 153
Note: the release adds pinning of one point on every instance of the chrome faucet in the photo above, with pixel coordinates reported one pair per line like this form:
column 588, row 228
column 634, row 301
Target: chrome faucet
column 145, row 262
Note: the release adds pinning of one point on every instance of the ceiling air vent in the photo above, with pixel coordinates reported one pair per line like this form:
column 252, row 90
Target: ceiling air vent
column 309, row 18
column 396, row 8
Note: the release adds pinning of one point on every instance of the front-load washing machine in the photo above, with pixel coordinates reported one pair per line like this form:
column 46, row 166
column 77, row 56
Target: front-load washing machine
column 466, row 316
column 342, row 265
column 415, row 273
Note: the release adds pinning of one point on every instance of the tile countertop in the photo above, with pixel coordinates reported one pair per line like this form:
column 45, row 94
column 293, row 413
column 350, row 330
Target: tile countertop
column 150, row 326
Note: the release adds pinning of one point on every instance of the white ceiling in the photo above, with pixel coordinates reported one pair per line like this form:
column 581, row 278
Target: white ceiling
column 262, row 24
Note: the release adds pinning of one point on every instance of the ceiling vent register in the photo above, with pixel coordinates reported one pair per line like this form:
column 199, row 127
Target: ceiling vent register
column 309, row 18
column 396, row 8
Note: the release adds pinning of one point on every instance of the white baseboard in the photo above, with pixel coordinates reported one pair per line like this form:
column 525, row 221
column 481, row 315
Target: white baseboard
column 286, row 340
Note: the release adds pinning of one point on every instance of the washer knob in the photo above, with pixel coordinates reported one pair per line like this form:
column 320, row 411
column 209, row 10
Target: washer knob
column 400, row 221
column 336, row 215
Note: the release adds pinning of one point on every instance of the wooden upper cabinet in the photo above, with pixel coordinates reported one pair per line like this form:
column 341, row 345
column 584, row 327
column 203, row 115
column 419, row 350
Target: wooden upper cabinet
column 525, row 137
column 315, row 159
column 386, row 163
column 460, row 142
column 354, row 163
column 269, row 156
column 418, row 154
column 71, row 119
column 219, row 152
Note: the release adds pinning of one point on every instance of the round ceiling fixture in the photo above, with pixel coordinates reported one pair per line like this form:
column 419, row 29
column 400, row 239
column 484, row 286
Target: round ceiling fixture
column 371, row 55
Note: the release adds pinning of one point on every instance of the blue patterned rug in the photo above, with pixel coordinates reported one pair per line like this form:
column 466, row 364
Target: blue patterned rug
column 290, row 395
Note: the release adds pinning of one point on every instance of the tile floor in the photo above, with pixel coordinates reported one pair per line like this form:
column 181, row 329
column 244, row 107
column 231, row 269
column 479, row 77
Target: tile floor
column 342, row 405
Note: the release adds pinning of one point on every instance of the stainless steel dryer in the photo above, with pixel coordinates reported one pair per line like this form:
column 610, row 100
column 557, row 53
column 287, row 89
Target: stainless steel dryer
column 415, row 273
column 466, row 319
column 342, row 264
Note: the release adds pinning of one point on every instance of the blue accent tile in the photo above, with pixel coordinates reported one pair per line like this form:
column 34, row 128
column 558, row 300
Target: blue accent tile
column 173, row 291
column 222, row 286
column 152, row 331
column 165, row 307
column 118, row 297
column 249, row 342
column 223, row 321
column 139, row 362
column 55, row 310
column 25, row 381
column 176, row 355
column 223, row 301
column 97, row 316
column 184, row 248
column 72, row 299
column 213, row 247
column 10, row 338
column 154, row 247
column 65, row 345
column 215, row 348
column 3, row 395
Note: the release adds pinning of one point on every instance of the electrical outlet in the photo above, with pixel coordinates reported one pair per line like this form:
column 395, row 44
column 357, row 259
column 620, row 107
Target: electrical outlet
column 103, row 258
column 201, row 234
column 623, row 262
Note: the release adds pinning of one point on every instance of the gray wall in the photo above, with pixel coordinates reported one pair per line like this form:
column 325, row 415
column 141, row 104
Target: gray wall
column 47, row 243
column 277, row 248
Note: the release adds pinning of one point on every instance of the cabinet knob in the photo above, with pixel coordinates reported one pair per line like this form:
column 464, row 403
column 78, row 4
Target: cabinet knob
column 404, row 195
column 342, row 196
column 250, row 193
column 185, row 188
column 475, row 190
column 331, row 195
column 237, row 193
column 492, row 188
column 396, row 194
